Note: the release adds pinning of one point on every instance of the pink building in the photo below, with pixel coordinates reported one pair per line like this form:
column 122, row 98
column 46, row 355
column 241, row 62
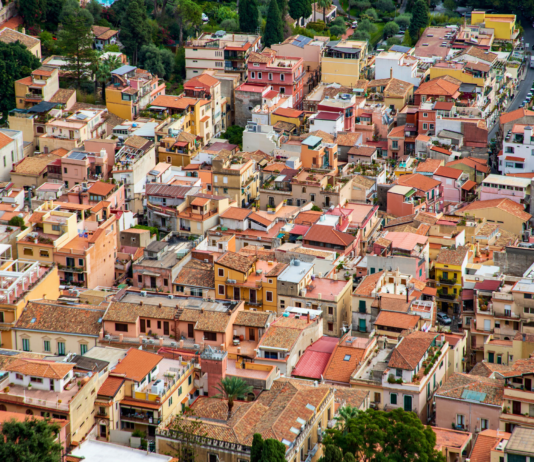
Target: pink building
column 99, row 144
column 396, row 142
column 80, row 166
column 505, row 187
column 452, row 180
column 342, row 103
column 401, row 201
column 285, row 75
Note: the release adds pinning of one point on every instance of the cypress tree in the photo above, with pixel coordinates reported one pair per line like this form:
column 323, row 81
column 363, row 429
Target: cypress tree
column 135, row 29
column 257, row 448
column 300, row 9
column 419, row 18
column 248, row 16
column 274, row 27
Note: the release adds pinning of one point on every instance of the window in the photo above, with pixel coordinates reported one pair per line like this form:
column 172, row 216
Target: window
column 189, row 379
column 221, row 272
column 484, row 424
column 56, row 228
column 259, row 75
column 393, row 398
column 252, row 75
column 269, row 296
column 395, row 144
column 139, row 278
column 83, row 348
column 221, row 289
column 330, row 326
column 527, row 295
column 425, row 114
column 36, row 379
column 44, row 253
column 46, row 346
column 425, row 126
column 28, row 251
column 346, row 358
column 61, row 348
column 18, row 377
column 270, row 76
column 330, row 310
column 121, row 327
column 65, row 170
column 271, row 354
column 25, row 344
column 398, row 372
column 460, row 420
column 282, row 77
column 80, row 261
column 165, row 282
column 211, row 336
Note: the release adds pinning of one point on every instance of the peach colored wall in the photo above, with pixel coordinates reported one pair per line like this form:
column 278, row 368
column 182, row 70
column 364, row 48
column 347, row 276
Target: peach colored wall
column 310, row 54
column 397, row 207
column 395, row 152
column 447, row 409
column 96, row 145
column 133, row 329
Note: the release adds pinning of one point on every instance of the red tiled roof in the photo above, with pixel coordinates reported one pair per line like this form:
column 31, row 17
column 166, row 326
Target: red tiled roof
column 442, row 150
column 328, row 235
column 342, row 363
column 396, row 319
column 443, row 106
column 137, row 364
column 418, row 181
column 440, row 86
column 288, row 112
column 111, row 386
column 101, row 189
column 468, row 185
column 514, row 115
column 485, row 442
column 448, row 172
column 259, row 219
column 300, row 230
column 488, row 285
column 315, row 359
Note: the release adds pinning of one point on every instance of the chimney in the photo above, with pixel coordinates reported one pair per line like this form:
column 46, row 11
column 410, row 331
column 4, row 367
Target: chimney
column 308, row 317
column 390, row 72
column 160, row 305
column 141, row 303
column 202, row 310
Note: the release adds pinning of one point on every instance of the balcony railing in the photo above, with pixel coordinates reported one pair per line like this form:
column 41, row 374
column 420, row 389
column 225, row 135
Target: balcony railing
column 312, row 453
column 447, row 296
column 33, row 96
column 450, row 282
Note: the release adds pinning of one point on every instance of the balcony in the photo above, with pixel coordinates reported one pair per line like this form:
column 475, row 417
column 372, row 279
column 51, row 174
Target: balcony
column 449, row 282
column 312, row 452
column 34, row 96
column 448, row 297
column 139, row 417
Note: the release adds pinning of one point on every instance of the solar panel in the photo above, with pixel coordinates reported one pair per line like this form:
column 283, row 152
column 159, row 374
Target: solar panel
column 81, row 116
column 474, row 395
column 77, row 155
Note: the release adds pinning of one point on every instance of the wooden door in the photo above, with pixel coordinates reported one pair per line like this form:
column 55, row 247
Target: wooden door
column 191, row 330
column 143, row 325
column 165, row 328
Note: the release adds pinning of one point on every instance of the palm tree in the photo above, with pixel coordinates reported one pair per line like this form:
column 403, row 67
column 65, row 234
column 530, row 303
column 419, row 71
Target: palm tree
column 102, row 70
column 344, row 415
column 324, row 4
column 231, row 388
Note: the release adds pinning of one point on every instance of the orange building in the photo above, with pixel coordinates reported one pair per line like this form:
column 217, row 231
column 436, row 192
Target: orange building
column 316, row 153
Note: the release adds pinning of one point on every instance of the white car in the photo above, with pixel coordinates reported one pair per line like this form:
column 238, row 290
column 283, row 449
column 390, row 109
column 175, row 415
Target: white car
column 205, row 18
column 354, row 24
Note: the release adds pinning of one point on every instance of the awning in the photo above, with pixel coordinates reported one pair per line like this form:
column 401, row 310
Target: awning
column 468, row 294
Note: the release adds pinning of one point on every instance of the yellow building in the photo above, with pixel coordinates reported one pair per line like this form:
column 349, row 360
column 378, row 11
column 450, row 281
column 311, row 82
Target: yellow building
column 30, row 281
column 41, row 85
column 292, row 116
column 49, row 231
column 343, row 61
column 510, row 215
column 393, row 92
column 240, row 277
column 449, row 266
column 178, row 151
column 502, row 24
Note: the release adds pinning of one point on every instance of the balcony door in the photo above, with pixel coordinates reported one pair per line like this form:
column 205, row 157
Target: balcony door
column 407, row 403
column 252, row 296
column 237, row 295
column 516, row 407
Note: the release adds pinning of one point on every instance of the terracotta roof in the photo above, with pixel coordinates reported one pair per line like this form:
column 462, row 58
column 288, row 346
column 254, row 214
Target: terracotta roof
column 397, row 132
column 326, row 137
column 364, row 151
column 418, row 181
column 34, row 165
column 308, row 217
column 468, row 185
column 200, row 201
column 440, row 86
column 259, row 219
column 397, row 320
column 443, row 105
column 197, row 274
column 111, row 386
column 343, row 362
column 368, row 285
column 348, row 139
column 520, row 367
column 448, row 172
column 235, row 213
column 47, row 369
column 12, row 36
column 61, row 318
column 213, row 321
column 99, row 188
column 277, row 269
column 485, row 369
column 137, row 142
column 452, row 257
column 491, row 390
column 280, row 337
column 137, row 364
column 451, row 439
column 315, row 359
column 174, row 102
column 483, row 55
column 261, row 58
column 131, row 312
column 429, row 165
column 202, row 80
column 251, row 319
column 506, row 205
column 507, row 117
column 485, row 442
column 288, row 112
column 236, row 262
column 328, row 235
column 411, row 349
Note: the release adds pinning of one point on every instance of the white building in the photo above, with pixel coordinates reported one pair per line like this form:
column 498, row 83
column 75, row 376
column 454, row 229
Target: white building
column 329, row 122
column 517, row 151
column 399, row 65
column 262, row 137
column 11, row 151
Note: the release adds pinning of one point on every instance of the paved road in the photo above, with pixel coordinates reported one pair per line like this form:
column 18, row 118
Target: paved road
column 524, row 85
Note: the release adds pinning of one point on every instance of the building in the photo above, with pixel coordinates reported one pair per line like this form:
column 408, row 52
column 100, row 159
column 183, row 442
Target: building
column 450, row 266
column 516, row 150
column 503, row 24
column 33, row 44
column 207, row 87
column 477, row 169
column 403, row 66
column 80, row 166
column 57, row 329
column 512, row 188
column 235, row 178
column 432, row 45
column 131, row 90
column 444, row 89
column 309, row 49
column 104, row 36
column 41, row 85
column 284, row 75
column 394, row 93
column 220, row 51
column 287, row 397
column 323, row 236
column 452, row 181
column 510, row 215
column 343, row 62
column 461, row 402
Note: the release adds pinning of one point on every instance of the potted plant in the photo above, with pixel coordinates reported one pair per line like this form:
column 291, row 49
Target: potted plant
column 6, row 389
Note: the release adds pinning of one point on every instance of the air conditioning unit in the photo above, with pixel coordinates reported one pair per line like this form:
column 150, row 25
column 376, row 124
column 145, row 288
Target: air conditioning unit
column 143, row 293
column 107, row 337
column 231, row 281
column 196, row 347
column 150, row 341
column 144, row 341
column 170, row 296
column 174, row 344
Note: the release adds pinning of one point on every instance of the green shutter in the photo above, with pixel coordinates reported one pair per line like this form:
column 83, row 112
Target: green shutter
column 361, row 307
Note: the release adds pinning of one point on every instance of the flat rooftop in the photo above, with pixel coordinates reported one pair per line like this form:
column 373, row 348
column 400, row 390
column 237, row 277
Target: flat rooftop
column 189, row 303
column 100, row 451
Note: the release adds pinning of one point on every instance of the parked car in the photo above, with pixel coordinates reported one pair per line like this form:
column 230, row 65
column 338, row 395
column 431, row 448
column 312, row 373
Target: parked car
column 444, row 319
column 354, row 24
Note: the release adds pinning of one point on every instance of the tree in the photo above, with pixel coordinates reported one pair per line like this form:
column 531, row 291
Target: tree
column 348, row 457
column 420, row 18
column 450, row 5
column 300, row 9
column 391, row 29
column 249, row 16
column 156, row 60
column 316, row 209
column 17, row 221
column 72, row 8
column 30, row 440
column 361, row 35
column 282, row 7
column 76, row 41
column 53, row 10
column 362, row 5
column 393, row 41
column 345, row 414
column 102, row 69
column 95, row 9
column 234, row 135
column 179, row 63
column 257, row 448
column 135, row 29
column 385, row 5
column 324, row 4
column 48, row 44
column 332, row 454
column 366, row 26
column 375, row 436
column 187, row 14
column 273, row 451
column 231, row 388
column 32, row 11
column 274, row 27
column 16, row 62
column 403, row 21
column 188, row 428
column 371, row 12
